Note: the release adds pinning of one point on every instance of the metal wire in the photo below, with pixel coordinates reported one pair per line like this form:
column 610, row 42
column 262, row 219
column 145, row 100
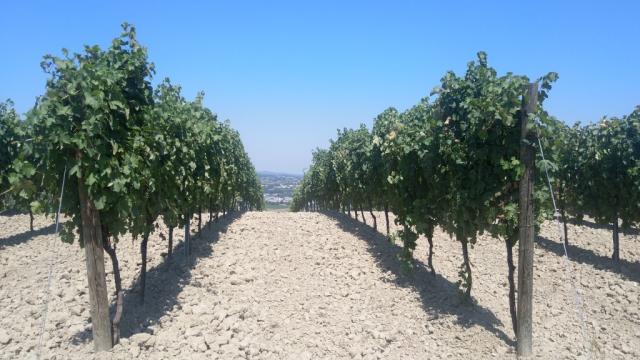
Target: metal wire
column 54, row 255
column 576, row 298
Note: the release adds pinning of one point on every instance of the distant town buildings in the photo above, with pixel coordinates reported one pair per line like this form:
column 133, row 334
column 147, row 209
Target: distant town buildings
column 278, row 188
column 277, row 199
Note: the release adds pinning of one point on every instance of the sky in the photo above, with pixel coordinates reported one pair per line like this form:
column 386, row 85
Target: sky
column 288, row 74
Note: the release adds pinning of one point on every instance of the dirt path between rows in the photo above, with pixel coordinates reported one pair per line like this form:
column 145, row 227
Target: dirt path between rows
column 277, row 285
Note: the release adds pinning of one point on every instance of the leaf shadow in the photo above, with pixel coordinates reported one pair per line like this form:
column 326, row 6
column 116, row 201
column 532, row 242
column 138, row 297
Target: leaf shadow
column 438, row 295
column 23, row 237
column 165, row 282
column 629, row 270
column 598, row 226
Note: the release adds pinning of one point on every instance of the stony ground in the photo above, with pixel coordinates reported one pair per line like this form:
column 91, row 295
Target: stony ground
column 276, row 285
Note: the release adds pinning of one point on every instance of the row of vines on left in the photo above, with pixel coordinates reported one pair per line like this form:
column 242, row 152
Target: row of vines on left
column 131, row 154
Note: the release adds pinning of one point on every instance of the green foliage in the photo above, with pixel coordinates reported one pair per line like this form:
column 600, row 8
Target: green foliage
column 9, row 142
column 596, row 169
column 611, row 169
column 134, row 154
column 450, row 161
column 140, row 153
column 602, row 162
column 94, row 104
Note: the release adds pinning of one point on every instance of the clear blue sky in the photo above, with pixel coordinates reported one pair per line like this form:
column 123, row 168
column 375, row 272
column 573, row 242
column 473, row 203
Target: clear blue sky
column 288, row 74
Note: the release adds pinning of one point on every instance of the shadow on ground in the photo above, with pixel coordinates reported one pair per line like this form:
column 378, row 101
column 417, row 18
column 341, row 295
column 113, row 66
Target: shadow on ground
column 439, row 296
column 594, row 225
column 629, row 270
column 23, row 237
column 164, row 283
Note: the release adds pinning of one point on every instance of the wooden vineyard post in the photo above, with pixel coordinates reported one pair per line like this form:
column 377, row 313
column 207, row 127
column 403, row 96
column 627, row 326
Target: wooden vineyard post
column 526, row 229
column 187, row 236
column 92, row 237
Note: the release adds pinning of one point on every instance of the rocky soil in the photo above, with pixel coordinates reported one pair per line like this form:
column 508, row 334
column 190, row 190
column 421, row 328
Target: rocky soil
column 276, row 285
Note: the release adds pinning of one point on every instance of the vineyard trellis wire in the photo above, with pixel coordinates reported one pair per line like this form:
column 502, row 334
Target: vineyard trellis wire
column 52, row 260
column 578, row 302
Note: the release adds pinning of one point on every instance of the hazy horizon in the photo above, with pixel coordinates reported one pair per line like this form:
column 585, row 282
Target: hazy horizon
column 270, row 172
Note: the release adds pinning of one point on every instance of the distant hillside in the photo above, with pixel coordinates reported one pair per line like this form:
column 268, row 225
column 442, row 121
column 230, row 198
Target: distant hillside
column 276, row 173
column 278, row 188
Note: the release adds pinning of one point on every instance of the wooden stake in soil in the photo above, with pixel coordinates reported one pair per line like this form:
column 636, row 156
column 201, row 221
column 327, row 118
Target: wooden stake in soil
column 616, row 239
column 117, row 317
column 526, row 229
column 92, row 237
column 187, row 236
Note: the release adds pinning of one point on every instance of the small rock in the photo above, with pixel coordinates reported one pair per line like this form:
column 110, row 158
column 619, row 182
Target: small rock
column 625, row 349
column 229, row 323
column 5, row 338
column 220, row 314
column 223, row 338
column 134, row 351
column 140, row 339
column 193, row 331
column 253, row 350
column 355, row 351
column 391, row 337
column 429, row 329
column 197, row 343
column 57, row 318
column 201, row 310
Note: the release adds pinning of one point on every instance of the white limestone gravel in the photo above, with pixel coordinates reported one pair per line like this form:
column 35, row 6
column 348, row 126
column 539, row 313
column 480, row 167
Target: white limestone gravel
column 278, row 285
